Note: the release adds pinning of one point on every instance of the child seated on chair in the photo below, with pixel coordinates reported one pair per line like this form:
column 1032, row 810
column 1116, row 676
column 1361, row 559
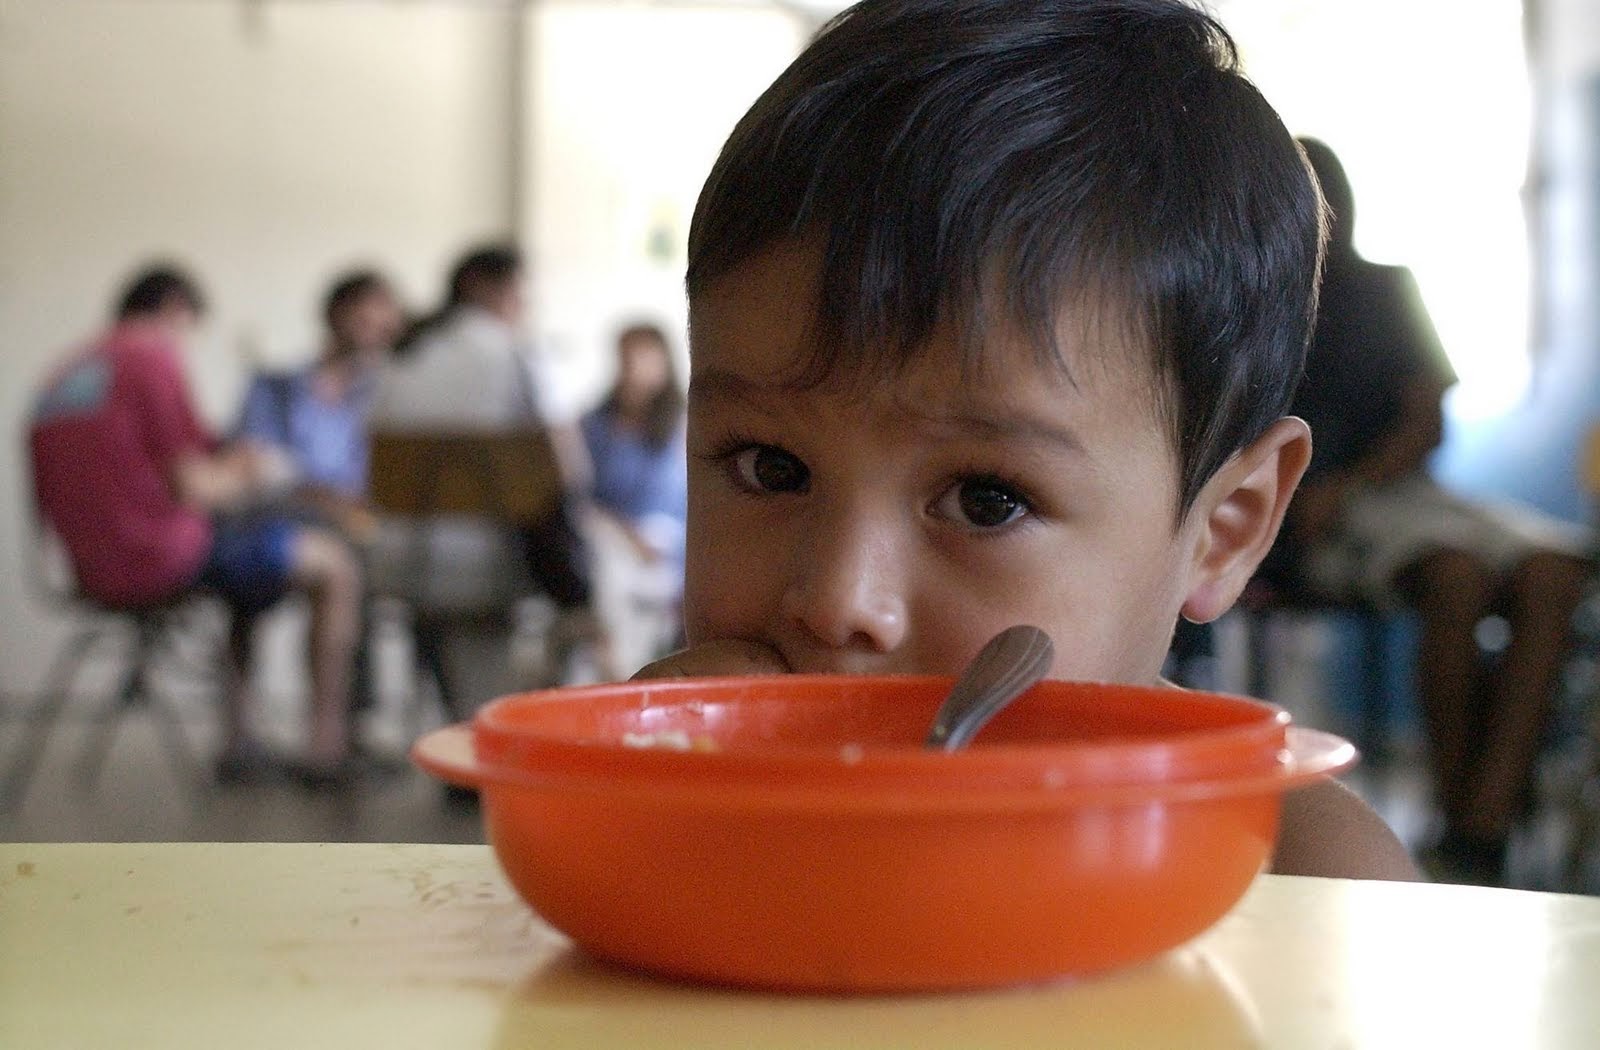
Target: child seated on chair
column 995, row 309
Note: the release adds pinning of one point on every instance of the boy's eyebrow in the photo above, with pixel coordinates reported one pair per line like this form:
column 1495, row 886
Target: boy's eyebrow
column 716, row 384
column 1007, row 427
column 721, row 384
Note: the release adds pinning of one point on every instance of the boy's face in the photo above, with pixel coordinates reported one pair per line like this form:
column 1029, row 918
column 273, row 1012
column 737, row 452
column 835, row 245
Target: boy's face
column 896, row 527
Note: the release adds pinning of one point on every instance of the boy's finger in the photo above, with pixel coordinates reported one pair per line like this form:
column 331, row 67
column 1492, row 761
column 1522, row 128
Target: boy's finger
column 729, row 656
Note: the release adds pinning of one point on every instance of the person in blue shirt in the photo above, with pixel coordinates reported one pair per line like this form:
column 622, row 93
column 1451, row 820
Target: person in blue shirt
column 639, row 497
column 318, row 415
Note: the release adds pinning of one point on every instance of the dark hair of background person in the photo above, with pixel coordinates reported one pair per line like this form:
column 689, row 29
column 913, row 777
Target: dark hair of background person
column 153, row 287
column 665, row 411
column 481, row 268
column 1340, row 198
column 349, row 289
column 967, row 162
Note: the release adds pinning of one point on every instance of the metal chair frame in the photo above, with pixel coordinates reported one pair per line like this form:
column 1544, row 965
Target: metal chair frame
column 153, row 629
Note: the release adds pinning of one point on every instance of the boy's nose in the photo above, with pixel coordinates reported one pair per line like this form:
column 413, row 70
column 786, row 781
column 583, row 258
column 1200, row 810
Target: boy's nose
column 844, row 592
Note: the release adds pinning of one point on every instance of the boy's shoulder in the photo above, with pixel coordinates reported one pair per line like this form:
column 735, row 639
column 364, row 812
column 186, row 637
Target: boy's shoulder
column 1328, row 831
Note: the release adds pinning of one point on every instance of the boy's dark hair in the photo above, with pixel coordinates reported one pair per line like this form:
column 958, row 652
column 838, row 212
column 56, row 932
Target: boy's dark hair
column 155, row 287
column 968, row 162
column 350, row 289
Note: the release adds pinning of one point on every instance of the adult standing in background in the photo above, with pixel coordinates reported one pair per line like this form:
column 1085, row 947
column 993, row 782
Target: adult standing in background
column 148, row 504
column 635, row 440
column 1370, row 523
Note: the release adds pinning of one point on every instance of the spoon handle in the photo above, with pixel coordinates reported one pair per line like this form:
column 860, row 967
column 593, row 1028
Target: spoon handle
column 1003, row 670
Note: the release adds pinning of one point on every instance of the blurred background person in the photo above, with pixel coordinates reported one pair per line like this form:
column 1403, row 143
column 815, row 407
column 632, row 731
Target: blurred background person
column 467, row 363
column 150, row 505
column 635, row 441
column 317, row 415
column 1370, row 524
column 468, row 367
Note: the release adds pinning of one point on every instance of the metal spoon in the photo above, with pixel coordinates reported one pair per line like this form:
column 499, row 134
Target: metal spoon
column 1003, row 670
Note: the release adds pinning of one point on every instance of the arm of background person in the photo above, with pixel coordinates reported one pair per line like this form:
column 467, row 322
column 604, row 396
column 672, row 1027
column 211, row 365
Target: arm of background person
column 1416, row 433
column 1329, row 832
column 262, row 414
column 572, row 458
column 532, row 404
column 218, row 480
column 202, row 474
column 1403, row 450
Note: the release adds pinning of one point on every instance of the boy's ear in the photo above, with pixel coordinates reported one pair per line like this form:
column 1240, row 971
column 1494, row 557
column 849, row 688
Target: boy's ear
column 1238, row 513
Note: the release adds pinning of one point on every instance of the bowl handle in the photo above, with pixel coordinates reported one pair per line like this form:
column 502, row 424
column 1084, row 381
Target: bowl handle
column 1310, row 753
column 449, row 755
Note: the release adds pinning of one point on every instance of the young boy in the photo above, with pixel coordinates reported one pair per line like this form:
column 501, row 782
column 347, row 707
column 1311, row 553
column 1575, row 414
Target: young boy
column 995, row 309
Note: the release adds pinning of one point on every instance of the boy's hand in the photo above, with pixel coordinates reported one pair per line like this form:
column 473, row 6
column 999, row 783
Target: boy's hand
column 726, row 656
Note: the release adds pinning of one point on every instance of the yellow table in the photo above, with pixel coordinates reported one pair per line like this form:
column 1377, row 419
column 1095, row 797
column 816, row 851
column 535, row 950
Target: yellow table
column 228, row 947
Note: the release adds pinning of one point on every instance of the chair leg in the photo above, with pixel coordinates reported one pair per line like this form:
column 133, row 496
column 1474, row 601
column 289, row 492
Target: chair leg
column 1584, row 835
column 129, row 694
column 430, row 660
column 1258, row 626
column 1583, row 811
column 1373, row 725
column 170, row 726
column 135, row 691
column 44, row 715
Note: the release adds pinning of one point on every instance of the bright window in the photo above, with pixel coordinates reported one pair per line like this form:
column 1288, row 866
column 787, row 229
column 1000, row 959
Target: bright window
column 1429, row 110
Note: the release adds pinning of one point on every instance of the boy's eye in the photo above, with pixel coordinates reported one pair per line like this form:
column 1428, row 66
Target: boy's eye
column 982, row 503
column 766, row 468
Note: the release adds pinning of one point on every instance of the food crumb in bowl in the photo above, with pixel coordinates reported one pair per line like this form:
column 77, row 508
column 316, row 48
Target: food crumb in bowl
column 669, row 740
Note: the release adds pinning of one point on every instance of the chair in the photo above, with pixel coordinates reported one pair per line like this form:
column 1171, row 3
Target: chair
column 1264, row 604
column 151, row 631
column 1279, row 592
column 510, row 479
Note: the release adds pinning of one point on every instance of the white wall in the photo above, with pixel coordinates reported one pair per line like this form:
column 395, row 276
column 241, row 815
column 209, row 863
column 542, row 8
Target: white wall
column 267, row 145
column 1572, row 40
column 270, row 143
column 629, row 107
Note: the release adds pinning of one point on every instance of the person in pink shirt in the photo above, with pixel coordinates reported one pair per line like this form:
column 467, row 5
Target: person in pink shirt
column 150, row 505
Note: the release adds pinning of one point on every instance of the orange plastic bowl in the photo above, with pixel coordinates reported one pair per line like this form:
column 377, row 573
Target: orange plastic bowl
column 805, row 840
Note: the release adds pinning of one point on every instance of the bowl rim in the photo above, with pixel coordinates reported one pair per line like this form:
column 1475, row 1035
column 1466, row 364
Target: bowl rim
column 1256, row 753
column 1308, row 755
column 1184, row 753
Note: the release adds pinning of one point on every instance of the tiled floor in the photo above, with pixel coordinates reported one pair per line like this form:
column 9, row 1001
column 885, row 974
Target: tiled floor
column 145, row 792
column 140, row 795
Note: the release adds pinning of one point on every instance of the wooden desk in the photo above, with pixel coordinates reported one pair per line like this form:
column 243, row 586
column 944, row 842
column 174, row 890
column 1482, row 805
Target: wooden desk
column 241, row 946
